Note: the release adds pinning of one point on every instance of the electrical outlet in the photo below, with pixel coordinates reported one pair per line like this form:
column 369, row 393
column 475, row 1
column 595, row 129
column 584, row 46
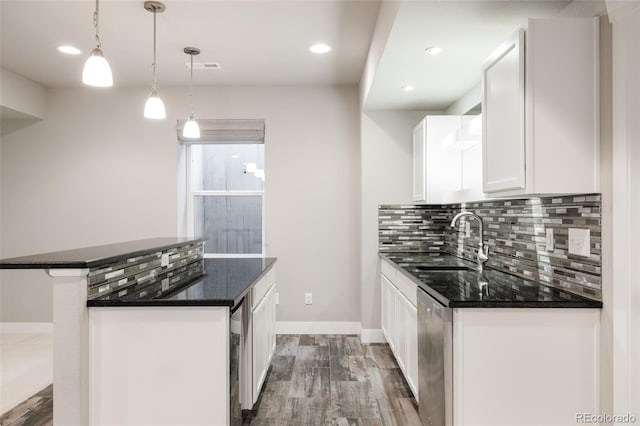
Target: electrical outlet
column 164, row 260
column 580, row 242
column 308, row 298
column 549, row 239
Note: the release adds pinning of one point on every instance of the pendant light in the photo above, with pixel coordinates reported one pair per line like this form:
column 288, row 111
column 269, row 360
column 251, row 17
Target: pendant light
column 191, row 128
column 96, row 71
column 154, row 107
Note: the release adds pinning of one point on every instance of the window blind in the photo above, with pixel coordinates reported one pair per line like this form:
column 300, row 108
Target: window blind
column 225, row 131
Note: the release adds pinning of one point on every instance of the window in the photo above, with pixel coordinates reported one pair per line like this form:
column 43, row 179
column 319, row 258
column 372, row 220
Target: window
column 224, row 191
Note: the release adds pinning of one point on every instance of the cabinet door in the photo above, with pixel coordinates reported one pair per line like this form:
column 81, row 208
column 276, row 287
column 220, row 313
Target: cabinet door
column 444, row 167
column 271, row 324
column 412, row 349
column 419, row 166
column 503, row 101
column 260, row 350
column 388, row 310
column 402, row 312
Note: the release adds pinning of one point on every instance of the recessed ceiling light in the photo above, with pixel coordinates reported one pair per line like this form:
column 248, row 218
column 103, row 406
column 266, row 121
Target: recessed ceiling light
column 235, row 156
column 69, row 50
column 320, row 48
column 433, row 50
column 204, row 65
column 407, row 88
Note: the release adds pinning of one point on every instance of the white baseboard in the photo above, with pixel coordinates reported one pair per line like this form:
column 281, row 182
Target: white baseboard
column 26, row 327
column 372, row 336
column 319, row 327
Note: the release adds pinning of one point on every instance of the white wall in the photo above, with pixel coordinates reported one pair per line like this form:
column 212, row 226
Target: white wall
column 384, row 24
column 386, row 176
column 466, row 102
column 606, row 188
column 625, row 295
column 94, row 171
column 21, row 95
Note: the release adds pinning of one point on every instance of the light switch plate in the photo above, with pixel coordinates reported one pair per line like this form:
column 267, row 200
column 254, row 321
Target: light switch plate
column 580, row 242
column 164, row 260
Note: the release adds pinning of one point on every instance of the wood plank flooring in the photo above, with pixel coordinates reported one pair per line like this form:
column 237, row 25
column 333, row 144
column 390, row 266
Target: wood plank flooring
column 313, row 380
column 37, row 410
column 333, row 380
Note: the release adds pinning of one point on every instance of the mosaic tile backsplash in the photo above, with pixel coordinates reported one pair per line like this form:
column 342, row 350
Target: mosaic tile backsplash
column 145, row 274
column 514, row 230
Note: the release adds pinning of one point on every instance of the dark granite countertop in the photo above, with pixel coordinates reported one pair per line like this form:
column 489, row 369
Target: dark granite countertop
column 468, row 288
column 90, row 257
column 224, row 283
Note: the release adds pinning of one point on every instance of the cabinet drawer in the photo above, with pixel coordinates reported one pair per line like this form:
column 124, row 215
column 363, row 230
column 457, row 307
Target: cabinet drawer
column 406, row 287
column 259, row 290
column 388, row 269
column 271, row 276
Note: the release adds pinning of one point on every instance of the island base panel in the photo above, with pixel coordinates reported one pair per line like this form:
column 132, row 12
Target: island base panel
column 159, row 365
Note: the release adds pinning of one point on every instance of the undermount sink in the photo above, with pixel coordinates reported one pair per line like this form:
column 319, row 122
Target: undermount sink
column 445, row 268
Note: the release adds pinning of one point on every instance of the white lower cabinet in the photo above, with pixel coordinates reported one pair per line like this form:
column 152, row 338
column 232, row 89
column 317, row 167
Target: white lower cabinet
column 510, row 366
column 411, row 362
column 399, row 325
column 388, row 311
column 531, row 366
column 263, row 334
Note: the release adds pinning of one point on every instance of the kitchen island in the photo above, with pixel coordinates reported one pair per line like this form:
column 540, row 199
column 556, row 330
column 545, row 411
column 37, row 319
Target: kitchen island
column 143, row 330
column 482, row 347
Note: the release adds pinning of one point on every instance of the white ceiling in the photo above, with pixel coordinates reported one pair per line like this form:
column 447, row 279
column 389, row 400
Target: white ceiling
column 468, row 31
column 266, row 42
column 256, row 42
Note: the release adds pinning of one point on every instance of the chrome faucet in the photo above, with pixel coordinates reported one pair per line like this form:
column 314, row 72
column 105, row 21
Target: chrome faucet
column 483, row 250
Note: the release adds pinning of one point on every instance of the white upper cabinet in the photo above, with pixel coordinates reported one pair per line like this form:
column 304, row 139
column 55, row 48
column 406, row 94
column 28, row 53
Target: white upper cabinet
column 503, row 117
column 447, row 159
column 419, row 163
column 541, row 111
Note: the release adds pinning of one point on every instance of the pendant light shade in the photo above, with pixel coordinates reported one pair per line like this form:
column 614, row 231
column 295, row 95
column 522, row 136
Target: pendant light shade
column 191, row 129
column 96, row 71
column 154, row 107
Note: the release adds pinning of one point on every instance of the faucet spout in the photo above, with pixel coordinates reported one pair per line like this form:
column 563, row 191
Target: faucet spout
column 483, row 250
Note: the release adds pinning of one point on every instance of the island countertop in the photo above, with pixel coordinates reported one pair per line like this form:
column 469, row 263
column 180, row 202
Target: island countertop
column 224, row 283
column 455, row 283
column 90, row 257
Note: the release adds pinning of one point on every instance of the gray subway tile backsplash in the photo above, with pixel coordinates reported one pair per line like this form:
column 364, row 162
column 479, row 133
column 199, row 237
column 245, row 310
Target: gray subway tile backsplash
column 515, row 231
column 116, row 279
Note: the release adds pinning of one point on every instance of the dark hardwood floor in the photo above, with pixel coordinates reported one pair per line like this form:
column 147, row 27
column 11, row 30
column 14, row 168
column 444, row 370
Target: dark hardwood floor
column 37, row 410
column 313, row 380
column 334, row 380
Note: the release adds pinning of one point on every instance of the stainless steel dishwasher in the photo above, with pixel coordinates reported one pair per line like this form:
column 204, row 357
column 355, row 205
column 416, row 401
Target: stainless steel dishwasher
column 435, row 361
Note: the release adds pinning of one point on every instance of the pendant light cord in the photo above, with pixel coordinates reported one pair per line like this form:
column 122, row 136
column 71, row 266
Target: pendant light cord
column 155, row 79
column 96, row 24
column 191, row 84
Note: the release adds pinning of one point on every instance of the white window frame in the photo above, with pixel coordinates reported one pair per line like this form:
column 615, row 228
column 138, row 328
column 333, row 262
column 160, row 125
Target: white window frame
column 190, row 211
